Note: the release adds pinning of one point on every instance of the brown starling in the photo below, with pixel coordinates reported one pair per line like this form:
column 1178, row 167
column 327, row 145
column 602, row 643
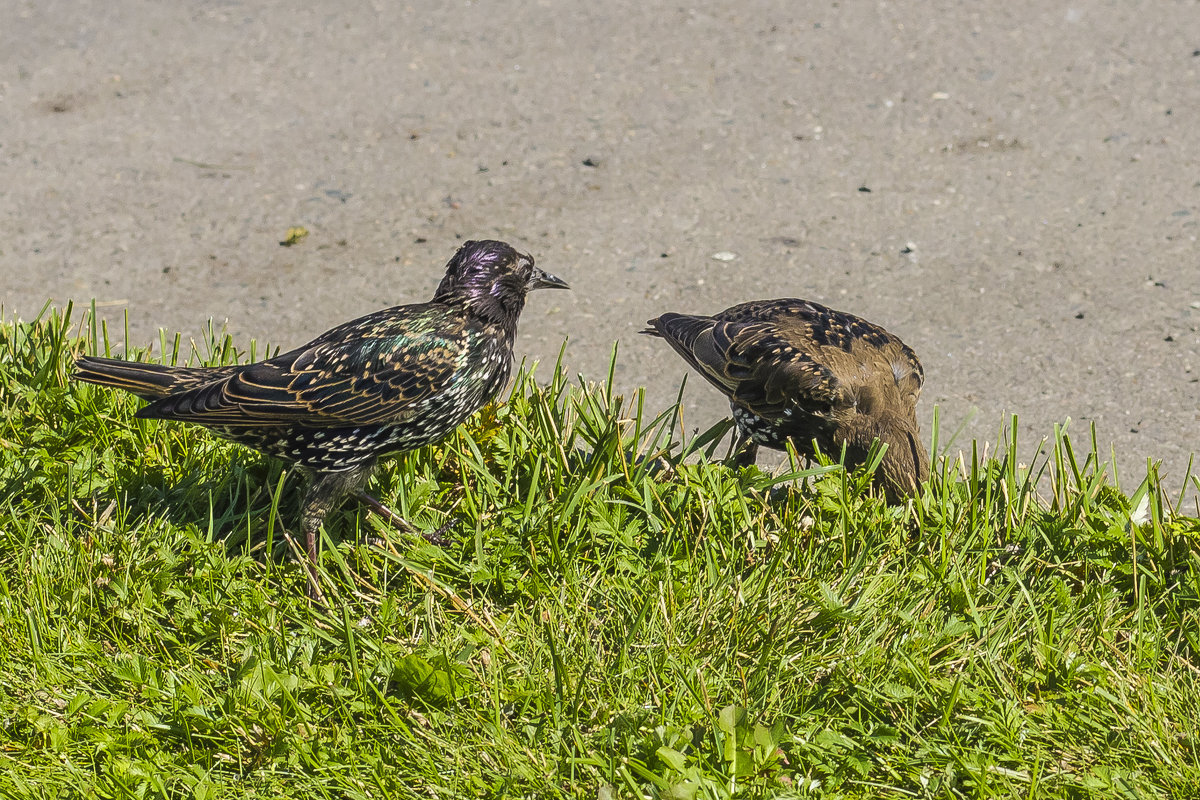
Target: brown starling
column 385, row 383
column 796, row 370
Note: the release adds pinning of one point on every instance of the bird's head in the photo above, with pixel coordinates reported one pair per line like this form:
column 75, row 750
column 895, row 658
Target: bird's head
column 905, row 464
column 491, row 278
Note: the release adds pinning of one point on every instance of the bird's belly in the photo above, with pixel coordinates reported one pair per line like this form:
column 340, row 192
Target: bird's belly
column 321, row 449
column 800, row 428
column 759, row 430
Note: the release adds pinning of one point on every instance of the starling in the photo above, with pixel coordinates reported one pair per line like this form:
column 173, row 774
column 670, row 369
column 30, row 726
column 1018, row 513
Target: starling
column 385, row 383
column 797, row 371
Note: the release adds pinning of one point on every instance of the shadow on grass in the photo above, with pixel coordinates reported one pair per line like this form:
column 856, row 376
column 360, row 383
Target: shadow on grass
column 250, row 504
column 232, row 503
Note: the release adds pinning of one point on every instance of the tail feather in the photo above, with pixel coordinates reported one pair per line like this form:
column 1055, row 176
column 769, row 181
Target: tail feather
column 692, row 338
column 147, row 381
column 681, row 330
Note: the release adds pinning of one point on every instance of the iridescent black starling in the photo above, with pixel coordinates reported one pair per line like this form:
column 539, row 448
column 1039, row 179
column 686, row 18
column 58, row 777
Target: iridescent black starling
column 385, row 383
column 796, row 370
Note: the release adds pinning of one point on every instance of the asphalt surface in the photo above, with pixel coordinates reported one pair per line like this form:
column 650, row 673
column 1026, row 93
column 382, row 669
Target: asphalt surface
column 1013, row 188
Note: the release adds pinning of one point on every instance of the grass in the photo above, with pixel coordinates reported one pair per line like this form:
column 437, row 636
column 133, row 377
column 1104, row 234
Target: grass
column 620, row 616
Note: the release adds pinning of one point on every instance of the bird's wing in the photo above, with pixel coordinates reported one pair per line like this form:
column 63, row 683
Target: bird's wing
column 371, row 370
column 752, row 363
column 775, row 373
column 838, row 340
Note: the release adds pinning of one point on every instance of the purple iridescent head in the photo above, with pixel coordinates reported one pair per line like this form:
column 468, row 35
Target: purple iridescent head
column 492, row 279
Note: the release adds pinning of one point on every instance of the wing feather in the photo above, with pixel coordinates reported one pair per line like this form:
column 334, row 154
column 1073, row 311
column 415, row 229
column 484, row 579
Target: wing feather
column 751, row 363
column 372, row 370
column 776, row 355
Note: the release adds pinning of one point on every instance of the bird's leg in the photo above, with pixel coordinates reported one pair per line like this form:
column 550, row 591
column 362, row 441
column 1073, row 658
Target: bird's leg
column 400, row 523
column 745, row 451
column 325, row 490
column 395, row 520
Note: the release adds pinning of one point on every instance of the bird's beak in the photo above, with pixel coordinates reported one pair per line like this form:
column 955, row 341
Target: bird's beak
column 540, row 279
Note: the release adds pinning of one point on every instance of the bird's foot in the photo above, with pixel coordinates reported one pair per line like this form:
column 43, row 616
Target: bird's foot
column 745, row 455
column 313, row 587
column 437, row 537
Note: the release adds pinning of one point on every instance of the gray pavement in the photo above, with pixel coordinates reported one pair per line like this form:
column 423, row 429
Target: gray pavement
column 1013, row 188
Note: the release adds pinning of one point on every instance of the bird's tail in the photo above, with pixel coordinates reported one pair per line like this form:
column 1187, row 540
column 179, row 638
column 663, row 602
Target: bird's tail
column 681, row 328
column 147, row 381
